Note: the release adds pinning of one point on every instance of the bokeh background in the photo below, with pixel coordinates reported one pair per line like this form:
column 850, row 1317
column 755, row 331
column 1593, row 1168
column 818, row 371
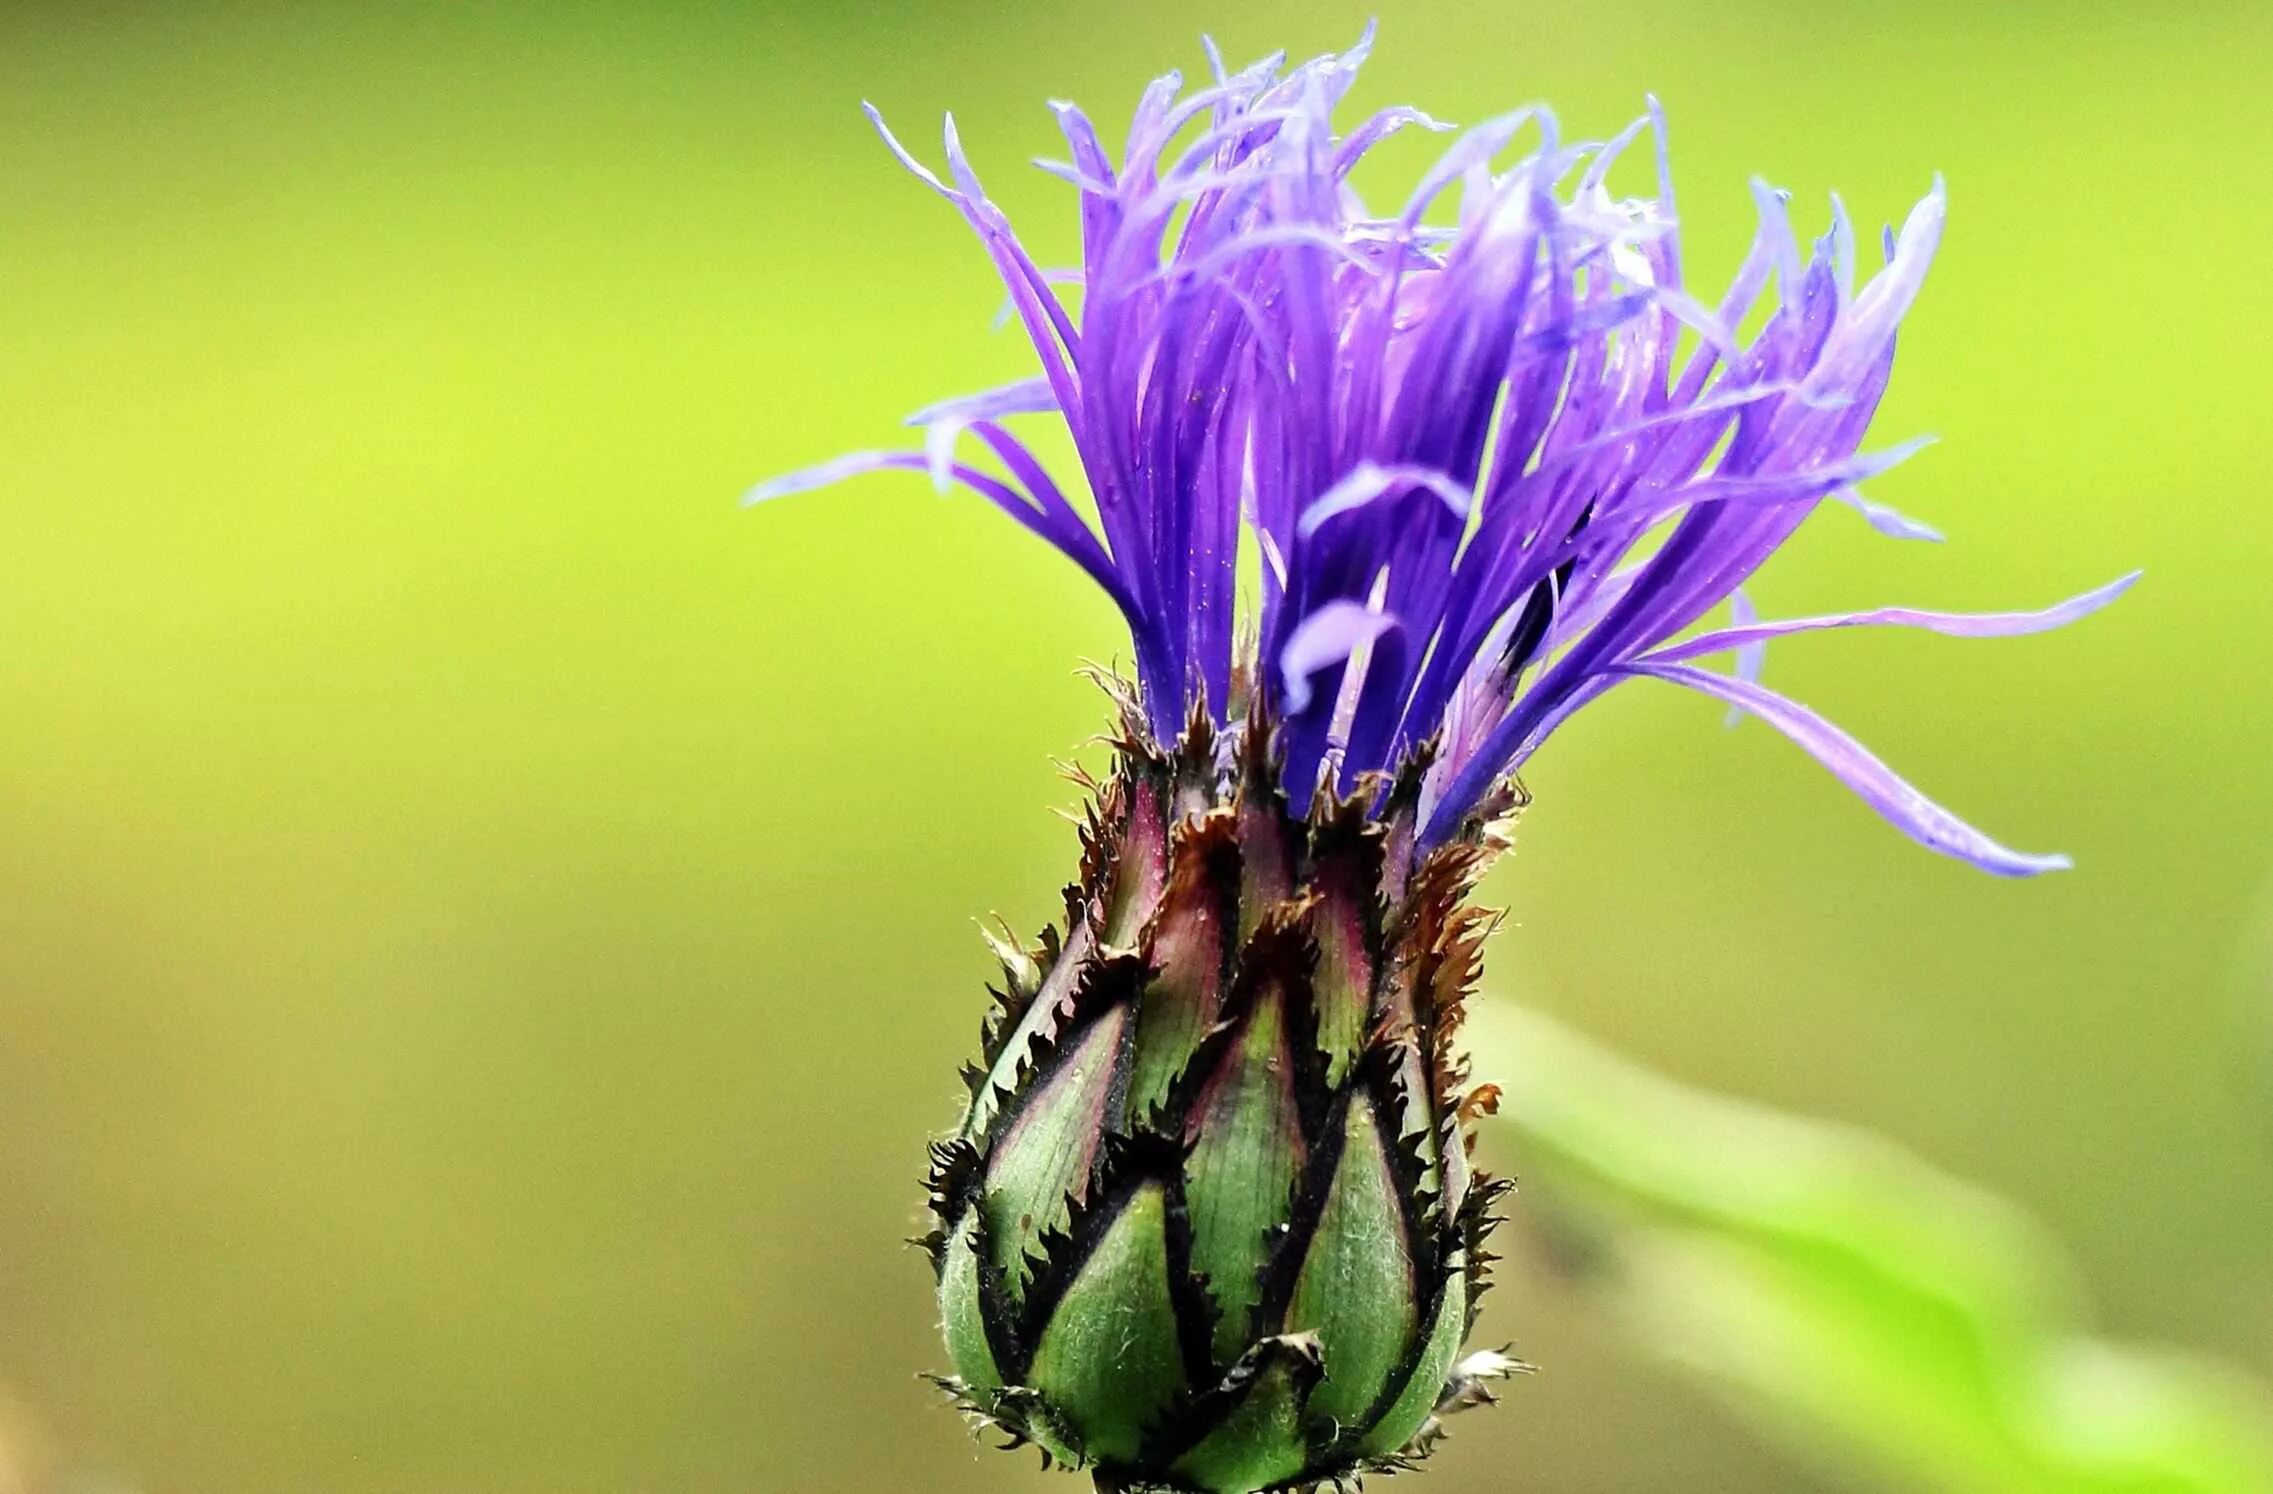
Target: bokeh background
column 486, row 924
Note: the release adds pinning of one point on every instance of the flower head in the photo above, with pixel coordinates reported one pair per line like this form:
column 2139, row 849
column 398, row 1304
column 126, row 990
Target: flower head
column 1490, row 455
column 1383, row 499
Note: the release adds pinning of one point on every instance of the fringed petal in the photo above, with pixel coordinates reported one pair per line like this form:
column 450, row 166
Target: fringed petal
column 1751, row 634
column 1852, row 764
column 1751, row 653
column 1073, row 541
column 1368, row 484
column 1325, row 638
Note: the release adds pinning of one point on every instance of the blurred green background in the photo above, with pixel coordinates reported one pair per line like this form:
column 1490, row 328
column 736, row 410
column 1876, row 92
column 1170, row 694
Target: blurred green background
column 485, row 924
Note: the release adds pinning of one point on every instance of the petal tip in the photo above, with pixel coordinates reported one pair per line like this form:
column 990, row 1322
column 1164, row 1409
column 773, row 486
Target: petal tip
column 2024, row 864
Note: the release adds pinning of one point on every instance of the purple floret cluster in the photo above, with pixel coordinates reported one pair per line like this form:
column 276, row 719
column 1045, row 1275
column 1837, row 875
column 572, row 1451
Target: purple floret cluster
column 1425, row 482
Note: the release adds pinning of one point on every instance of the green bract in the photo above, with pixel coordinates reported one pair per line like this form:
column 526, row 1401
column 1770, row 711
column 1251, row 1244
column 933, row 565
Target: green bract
column 1209, row 1223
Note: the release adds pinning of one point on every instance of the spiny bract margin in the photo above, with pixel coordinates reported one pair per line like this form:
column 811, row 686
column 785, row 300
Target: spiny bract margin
column 1222, row 1120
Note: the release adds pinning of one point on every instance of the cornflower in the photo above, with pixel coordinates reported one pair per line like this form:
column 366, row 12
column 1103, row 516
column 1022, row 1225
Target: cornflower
column 1384, row 500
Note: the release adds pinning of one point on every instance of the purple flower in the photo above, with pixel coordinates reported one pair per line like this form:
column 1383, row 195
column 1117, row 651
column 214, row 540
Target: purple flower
column 1417, row 485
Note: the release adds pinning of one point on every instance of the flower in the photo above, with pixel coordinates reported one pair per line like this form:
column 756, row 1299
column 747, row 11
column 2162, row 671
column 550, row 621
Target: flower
column 1383, row 501
column 1452, row 449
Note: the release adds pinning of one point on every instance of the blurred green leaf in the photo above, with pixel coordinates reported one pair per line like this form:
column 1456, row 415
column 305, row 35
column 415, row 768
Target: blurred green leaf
column 1858, row 1303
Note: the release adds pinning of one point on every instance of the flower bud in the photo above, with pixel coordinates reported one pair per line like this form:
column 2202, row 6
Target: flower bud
column 1209, row 1222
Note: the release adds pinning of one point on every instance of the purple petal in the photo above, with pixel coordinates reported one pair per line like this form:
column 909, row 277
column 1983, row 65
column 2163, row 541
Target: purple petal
column 1887, row 521
column 1072, row 175
column 1026, row 397
column 1367, row 483
column 1047, row 324
column 1061, row 529
column 1770, row 488
column 905, row 157
column 1698, row 318
column 1880, row 305
column 1852, row 764
column 1475, row 148
column 944, row 423
column 1384, row 124
column 1326, row 637
column 1749, row 634
column 827, row 474
column 1752, row 656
